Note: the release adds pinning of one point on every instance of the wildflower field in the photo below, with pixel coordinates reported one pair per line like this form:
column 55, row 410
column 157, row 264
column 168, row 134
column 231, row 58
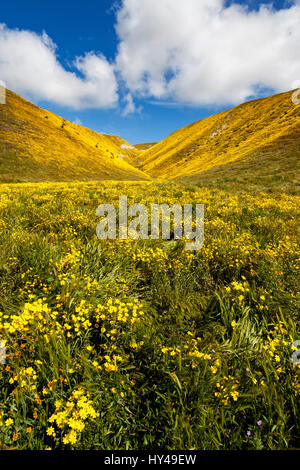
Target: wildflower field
column 141, row 344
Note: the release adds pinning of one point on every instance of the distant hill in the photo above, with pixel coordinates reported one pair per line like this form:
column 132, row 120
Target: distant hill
column 257, row 142
column 144, row 147
column 37, row 145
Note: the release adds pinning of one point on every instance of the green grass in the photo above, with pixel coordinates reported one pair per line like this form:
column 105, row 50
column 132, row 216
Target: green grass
column 206, row 365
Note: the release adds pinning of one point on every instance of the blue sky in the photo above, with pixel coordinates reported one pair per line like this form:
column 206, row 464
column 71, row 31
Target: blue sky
column 160, row 104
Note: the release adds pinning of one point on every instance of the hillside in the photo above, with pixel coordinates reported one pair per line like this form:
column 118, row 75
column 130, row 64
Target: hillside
column 256, row 144
column 37, row 145
column 144, row 147
column 257, row 140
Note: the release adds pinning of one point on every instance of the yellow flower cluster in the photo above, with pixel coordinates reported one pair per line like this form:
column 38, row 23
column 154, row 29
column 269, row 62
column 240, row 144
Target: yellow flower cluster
column 35, row 313
column 72, row 417
column 227, row 389
column 116, row 312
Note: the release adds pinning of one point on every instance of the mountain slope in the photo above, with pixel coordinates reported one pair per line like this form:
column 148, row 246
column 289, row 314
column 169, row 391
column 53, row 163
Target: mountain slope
column 261, row 135
column 37, row 145
column 274, row 167
column 146, row 146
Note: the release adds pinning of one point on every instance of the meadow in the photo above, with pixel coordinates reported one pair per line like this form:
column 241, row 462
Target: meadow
column 126, row 344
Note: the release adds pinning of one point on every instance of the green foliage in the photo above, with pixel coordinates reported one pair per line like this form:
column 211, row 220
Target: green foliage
column 142, row 344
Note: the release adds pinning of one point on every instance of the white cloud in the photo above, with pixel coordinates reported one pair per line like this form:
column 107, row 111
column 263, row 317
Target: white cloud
column 295, row 84
column 130, row 106
column 77, row 121
column 200, row 52
column 29, row 66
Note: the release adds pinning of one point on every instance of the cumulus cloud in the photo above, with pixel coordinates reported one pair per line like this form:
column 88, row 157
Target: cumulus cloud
column 203, row 52
column 198, row 52
column 130, row 106
column 29, row 66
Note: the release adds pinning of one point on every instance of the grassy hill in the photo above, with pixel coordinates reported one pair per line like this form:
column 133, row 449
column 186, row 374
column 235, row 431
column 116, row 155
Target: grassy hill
column 37, row 145
column 254, row 146
column 256, row 143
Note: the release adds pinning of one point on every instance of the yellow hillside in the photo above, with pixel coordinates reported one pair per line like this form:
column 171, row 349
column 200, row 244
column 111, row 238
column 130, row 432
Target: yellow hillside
column 37, row 145
column 261, row 135
column 144, row 147
column 255, row 143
